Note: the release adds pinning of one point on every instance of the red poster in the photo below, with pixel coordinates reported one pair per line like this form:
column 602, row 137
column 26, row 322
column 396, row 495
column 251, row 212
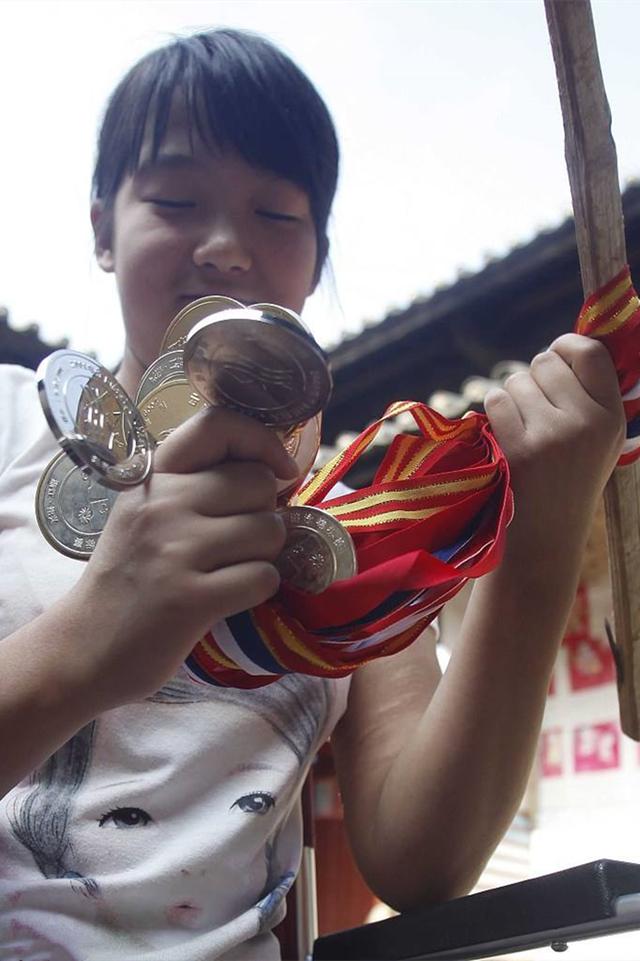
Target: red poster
column 596, row 747
column 551, row 753
column 590, row 659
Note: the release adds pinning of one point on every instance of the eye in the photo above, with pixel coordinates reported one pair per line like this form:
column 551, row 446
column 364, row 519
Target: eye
column 276, row 215
column 169, row 204
column 126, row 818
column 258, row 803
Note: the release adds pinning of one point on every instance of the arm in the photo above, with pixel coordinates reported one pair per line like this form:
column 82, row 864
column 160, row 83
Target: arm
column 192, row 545
column 432, row 778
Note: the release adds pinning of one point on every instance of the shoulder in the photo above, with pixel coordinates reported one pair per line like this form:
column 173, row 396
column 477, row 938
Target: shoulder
column 21, row 412
column 13, row 377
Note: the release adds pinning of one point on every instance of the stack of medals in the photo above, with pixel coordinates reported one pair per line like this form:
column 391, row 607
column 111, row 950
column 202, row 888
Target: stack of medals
column 258, row 360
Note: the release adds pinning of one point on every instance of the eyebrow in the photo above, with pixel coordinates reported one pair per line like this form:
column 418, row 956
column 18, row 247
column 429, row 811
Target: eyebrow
column 166, row 161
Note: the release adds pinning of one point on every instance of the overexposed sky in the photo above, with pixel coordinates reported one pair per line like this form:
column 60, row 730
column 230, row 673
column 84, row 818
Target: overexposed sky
column 446, row 111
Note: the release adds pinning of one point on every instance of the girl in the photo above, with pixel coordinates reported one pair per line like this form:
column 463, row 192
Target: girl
column 216, row 169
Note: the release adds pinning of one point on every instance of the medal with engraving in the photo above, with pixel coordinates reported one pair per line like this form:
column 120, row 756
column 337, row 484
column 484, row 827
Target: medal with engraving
column 243, row 360
column 95, row 421
column 176, row 333
column 165, row 368
column 317, row 552
column 72, row 507
column 168, row 406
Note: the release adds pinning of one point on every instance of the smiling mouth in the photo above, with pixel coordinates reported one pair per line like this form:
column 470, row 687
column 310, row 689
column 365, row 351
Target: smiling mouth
column 184, row 915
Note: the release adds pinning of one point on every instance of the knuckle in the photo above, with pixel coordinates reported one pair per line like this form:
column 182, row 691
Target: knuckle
column 266, row 485
column 270, row 533
column 592, row 346
column 567, row 342
column 250, row 483
column 142, row 523
column 544, row 357
column 495, row 396
column 518, row 378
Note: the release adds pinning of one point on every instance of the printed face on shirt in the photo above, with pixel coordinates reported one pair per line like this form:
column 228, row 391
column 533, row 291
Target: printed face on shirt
column 129, row 830
column 199, row 221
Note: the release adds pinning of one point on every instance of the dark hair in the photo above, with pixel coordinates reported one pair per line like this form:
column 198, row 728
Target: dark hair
column 241, row 92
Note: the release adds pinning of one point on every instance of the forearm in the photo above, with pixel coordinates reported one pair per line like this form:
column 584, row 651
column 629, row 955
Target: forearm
column 43, row 697
column 456, row 785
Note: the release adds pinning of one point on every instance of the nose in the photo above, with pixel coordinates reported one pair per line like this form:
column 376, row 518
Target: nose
column 222, row 248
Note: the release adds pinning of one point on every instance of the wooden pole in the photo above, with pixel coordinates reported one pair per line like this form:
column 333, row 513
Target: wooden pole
column 593, row 176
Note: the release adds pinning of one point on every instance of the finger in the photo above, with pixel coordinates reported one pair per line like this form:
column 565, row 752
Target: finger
column 557, row 381
column 592, row 364
column 504, row 415
column 216, row 435
column 239, row 588
column 527, row 397
column 226, row 541
column 231, row 488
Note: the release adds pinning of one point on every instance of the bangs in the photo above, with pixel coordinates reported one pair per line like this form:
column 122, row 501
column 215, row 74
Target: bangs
column 239, row 92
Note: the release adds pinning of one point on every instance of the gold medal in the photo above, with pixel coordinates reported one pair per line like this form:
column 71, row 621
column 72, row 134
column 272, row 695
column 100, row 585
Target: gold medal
column 167, row 367
column 177, row 331
column 302, row 444
column 168, row 406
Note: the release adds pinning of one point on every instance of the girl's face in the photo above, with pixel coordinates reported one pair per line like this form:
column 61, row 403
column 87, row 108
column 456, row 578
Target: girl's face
column 199, row 221
column 128, row 829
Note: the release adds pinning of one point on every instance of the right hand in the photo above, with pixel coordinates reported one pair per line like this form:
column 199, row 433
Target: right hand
column 192, row 545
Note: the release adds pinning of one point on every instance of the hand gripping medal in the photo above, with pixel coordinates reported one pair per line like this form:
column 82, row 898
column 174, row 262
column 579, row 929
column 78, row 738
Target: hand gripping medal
column 107, row 440
column 262, row 362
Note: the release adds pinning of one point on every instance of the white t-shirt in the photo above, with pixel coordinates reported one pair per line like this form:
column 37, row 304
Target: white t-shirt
column 166, row 830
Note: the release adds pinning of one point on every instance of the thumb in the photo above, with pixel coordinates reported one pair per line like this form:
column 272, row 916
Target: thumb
column 215, row 435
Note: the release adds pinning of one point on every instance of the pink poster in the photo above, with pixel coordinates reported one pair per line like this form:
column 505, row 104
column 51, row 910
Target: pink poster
column 551, row 753
column 596, row 747
column 590, row 660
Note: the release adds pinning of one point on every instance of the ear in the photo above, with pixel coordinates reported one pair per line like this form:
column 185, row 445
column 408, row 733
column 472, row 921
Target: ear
column 322, row 261
column 102, row 223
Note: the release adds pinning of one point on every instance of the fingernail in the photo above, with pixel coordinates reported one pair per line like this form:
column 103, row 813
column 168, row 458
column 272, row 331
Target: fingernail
column 291, row 468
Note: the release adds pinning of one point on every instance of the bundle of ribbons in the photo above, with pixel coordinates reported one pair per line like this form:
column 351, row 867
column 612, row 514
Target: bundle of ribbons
column 435, row 515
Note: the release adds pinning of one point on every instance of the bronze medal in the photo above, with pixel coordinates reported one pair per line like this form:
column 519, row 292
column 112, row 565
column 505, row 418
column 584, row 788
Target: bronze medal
column 242, row 360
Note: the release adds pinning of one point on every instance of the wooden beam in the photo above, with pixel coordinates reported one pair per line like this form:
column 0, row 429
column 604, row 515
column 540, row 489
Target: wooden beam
column 593, row 175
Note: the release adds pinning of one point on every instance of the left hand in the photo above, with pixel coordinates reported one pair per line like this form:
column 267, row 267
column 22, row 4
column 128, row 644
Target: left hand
column 561, row 426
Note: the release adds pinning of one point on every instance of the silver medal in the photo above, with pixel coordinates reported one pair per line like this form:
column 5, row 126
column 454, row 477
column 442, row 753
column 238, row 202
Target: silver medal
column 94, row 420
column 72, row 507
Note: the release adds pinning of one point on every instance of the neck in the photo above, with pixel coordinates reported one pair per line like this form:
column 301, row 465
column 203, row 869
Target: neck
column 130, row 371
